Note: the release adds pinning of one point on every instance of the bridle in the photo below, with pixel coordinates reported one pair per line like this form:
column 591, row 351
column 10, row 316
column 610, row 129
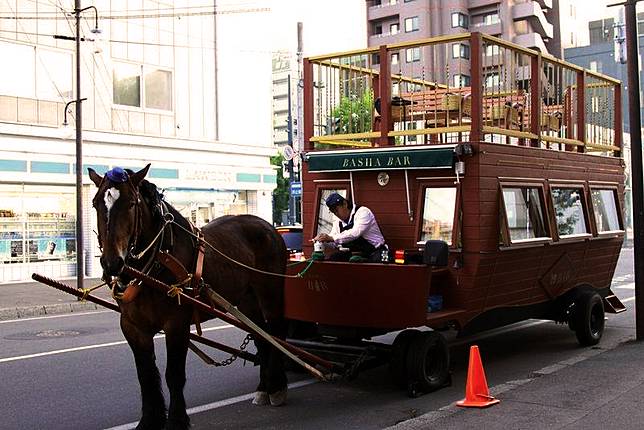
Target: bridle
column 157, row 241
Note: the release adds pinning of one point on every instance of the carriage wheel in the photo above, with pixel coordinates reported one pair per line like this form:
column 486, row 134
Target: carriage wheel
column 427, row 363
column 398, row 357
column 587, row 318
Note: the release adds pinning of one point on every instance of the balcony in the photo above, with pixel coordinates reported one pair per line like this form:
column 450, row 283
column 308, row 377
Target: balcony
column 481, row 3
column 531, row 40
column 533, row 13
column 382, row 11
column 545, row 3
column 491, row 29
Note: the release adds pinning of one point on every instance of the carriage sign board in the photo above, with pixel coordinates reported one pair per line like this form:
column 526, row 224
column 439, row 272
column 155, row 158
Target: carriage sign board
column 390, row 159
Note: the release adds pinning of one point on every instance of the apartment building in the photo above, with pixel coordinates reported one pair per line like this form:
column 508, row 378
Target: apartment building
column 152, row 96
column 533, row 24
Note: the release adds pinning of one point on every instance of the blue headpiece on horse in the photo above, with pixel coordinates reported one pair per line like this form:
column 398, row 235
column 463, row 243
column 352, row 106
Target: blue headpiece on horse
column 117, row 175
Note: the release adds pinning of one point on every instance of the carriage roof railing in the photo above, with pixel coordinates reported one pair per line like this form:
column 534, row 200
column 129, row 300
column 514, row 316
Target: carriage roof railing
column 479, row 88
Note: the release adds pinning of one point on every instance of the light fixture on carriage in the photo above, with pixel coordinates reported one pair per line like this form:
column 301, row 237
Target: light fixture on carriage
column 461, row 150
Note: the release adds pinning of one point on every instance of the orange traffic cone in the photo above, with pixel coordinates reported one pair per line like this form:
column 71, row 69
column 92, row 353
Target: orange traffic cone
column 477, row 394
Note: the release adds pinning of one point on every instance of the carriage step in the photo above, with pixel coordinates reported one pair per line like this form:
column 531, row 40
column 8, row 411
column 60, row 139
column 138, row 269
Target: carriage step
column 613, row 305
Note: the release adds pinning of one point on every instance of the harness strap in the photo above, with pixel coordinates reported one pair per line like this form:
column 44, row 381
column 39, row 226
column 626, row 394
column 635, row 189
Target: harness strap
column 173, row 265
column 196, row 278
column 201, row 249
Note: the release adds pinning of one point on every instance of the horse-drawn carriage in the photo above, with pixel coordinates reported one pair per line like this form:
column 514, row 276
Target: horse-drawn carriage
column 500, row 198
column 491, row 217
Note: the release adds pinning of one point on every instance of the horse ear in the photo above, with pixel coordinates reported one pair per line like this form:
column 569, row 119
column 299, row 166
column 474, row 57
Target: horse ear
column 138, row 176
column 95, row 177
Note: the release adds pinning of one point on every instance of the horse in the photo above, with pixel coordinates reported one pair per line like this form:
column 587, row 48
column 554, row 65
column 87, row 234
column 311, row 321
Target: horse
column 133, row 227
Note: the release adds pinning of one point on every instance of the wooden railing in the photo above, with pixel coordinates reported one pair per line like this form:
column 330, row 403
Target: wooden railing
column 496, row 91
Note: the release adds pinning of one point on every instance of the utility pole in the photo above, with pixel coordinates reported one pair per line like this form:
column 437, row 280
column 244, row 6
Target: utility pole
column 80, row 257
column 300, row 103
column 291, row 173
column 635, row 128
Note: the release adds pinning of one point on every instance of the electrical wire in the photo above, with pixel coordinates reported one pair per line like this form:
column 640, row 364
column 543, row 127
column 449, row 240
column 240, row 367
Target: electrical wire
column 138, row 16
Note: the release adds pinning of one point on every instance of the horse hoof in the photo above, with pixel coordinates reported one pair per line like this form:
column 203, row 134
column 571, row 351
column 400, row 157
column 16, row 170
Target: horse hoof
column 261, row 398
column 278, row 398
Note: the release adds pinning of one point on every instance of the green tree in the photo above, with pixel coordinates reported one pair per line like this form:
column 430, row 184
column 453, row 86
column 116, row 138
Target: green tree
column 280, row 194
column 352, row 114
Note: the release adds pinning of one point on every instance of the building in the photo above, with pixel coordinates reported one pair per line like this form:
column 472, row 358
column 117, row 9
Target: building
column 318, row 37
column 533, row 24
column 604, row 54
column 152, row 89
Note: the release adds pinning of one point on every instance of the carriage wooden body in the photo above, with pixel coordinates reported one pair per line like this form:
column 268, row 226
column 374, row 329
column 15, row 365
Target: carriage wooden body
column 495, row 274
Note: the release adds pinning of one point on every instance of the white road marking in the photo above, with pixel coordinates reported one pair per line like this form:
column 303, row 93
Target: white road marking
column 622, row 278
column 71, row 314
column 87, row 347
column 629, row 286
column 220, row 403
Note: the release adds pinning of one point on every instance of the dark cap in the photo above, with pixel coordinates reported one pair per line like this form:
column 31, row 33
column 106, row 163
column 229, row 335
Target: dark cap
column 334, row 200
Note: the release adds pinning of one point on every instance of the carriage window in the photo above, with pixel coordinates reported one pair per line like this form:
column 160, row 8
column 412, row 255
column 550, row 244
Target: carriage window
column 524, row 212
column 569, row 211
column 325, row 217
column 438, row 214
column 605, row 207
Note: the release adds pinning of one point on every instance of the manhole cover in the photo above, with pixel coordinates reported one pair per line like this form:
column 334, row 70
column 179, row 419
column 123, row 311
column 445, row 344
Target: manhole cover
column 51, row 334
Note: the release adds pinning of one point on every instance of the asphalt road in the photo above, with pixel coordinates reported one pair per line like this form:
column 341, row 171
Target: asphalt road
column 75, row 371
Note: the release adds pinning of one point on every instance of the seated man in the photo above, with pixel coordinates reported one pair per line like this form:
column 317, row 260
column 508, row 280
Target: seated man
column 357, row 231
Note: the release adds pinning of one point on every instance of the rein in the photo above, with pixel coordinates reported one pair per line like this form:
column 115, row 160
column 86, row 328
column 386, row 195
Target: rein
column 201, row 239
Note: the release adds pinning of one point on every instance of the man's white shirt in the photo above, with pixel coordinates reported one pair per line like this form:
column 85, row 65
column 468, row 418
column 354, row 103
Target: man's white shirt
column 364, row 225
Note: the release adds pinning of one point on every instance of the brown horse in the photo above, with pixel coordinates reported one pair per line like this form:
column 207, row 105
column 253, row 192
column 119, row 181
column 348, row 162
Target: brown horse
column 131, row 214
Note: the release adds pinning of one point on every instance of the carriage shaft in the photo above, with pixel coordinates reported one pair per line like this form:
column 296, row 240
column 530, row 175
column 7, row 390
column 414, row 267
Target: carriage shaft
column 148, row 280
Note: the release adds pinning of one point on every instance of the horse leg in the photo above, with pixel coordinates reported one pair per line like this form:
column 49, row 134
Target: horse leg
column 275, row 373
column 272, row 377
column 261, row 393
column 175, row 375
column 152, row 402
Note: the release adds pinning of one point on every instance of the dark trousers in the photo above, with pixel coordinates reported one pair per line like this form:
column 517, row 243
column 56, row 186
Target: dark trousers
column 372, row 256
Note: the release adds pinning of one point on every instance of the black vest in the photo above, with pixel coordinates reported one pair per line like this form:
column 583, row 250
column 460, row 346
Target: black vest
column 360, row 244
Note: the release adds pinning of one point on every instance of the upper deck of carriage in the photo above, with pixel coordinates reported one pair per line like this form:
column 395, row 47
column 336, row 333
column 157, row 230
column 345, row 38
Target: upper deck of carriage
column 495, row 91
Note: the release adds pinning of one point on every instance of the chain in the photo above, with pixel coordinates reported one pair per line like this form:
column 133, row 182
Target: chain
column 352, row 371
column 233, row 357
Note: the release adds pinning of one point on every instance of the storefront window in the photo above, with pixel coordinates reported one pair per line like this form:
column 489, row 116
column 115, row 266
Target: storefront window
column 37, row 224
column 201, row 206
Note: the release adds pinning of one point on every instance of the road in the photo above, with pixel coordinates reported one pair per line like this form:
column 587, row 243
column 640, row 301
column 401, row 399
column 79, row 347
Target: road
column 76, row 371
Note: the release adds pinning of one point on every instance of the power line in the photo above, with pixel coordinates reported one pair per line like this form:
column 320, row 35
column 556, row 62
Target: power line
column 259, row 51
column 140, row 16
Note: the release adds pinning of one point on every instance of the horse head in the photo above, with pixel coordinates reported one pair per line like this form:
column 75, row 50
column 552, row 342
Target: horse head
column 119, row 211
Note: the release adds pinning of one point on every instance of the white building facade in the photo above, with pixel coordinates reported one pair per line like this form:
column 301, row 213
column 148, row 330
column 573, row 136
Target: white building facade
column 151, row 89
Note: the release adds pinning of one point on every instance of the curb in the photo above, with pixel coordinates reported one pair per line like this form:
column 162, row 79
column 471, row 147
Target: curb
column 429, row 419
column 42, row 310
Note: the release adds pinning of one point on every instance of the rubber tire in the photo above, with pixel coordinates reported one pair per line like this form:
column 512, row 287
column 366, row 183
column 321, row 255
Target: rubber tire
column 428, row 362
column 588, row 318
column 398, row 356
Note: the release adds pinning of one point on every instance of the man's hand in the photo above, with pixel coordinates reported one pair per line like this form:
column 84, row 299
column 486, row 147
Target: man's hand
column 323, row 237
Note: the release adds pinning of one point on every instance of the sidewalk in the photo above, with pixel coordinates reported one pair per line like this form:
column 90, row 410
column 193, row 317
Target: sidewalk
column 602, row 388
column 30, row 299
